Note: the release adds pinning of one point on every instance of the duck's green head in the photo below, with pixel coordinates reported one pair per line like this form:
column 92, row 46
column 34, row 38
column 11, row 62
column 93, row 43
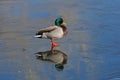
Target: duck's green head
column 58, row 21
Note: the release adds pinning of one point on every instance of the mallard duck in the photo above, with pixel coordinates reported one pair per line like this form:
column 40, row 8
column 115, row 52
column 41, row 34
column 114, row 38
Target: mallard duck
column 56, row 31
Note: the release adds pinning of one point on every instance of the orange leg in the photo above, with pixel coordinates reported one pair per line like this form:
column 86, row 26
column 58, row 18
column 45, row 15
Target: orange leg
column 53, row 45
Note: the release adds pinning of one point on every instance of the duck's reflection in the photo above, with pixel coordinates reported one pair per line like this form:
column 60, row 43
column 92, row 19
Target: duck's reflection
column 59, row 58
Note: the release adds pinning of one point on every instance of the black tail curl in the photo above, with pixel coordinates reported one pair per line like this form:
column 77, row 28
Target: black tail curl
column 39, row 33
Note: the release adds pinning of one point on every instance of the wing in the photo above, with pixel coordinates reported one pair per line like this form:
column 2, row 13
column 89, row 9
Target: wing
column 47, row 29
